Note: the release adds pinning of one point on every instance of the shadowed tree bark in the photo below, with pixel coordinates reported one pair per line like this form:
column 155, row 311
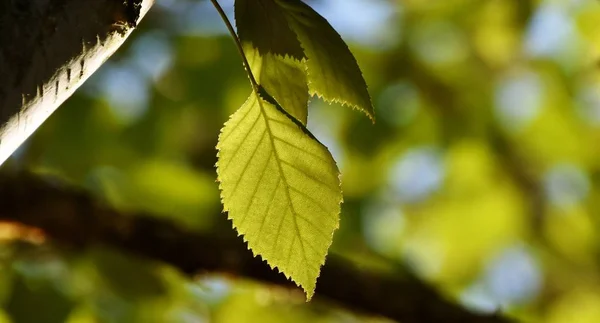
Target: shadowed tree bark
column 71, row 217
column 48, row 48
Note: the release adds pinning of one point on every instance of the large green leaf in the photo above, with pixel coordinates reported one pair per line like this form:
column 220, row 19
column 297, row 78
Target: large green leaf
column 284, row 78
column 281, row 188
column 333, row 72
column 262, row 24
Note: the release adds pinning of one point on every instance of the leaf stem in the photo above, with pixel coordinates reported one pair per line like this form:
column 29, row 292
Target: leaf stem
column 238, row 44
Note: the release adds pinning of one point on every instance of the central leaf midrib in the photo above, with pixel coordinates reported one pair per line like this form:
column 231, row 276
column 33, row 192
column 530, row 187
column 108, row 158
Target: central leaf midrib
column 287, row 186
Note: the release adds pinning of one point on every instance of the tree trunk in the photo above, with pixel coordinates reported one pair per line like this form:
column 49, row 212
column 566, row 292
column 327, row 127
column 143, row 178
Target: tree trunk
column 48, row 48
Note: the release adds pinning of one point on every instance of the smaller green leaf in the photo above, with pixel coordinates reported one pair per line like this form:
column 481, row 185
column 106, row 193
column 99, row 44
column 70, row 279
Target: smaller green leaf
column 284, row 78
column 333, row 72
column 280, row 187
column 262, row 24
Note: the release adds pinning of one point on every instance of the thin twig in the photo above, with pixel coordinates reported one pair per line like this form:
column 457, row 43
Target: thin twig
column 238, row 44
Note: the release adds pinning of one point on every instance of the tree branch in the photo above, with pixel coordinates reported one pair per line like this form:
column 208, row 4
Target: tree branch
column 73, row 218
column 48, row 48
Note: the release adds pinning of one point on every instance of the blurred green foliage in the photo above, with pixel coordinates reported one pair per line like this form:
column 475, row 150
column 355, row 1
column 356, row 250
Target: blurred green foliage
column 482, row 173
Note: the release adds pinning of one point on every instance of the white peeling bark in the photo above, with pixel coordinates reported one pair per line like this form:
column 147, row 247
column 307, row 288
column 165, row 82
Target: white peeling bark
column 48, row 48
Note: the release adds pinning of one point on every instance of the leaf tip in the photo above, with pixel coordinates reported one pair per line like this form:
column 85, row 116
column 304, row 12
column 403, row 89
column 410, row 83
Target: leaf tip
column 309, row 294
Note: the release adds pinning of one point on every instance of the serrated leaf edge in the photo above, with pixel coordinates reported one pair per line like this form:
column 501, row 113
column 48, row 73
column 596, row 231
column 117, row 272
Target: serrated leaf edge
column 304, row 61
column 314, row 92
column 286, row 56
column 309, row 293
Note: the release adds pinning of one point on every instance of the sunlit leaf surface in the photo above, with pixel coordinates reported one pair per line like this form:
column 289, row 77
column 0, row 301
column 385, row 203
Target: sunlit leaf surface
column 281, row 188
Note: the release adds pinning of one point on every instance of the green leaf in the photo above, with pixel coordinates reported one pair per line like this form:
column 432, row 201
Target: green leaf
column 333, row 72
column 284, row 78
column 274, row 54
column 281, row 188
column 262, row 24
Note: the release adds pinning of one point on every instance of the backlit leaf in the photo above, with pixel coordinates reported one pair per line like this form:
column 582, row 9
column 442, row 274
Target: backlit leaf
column 281, row 188
column 333, row 72
column 284, row 78
column 262, row 24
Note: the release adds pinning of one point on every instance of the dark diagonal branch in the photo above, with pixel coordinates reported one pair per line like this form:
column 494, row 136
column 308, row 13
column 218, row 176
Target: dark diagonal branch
column 73, row 218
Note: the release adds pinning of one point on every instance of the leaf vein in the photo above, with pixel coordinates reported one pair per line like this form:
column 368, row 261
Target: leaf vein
column 282, row 123
column 237, row 149
column 253, row 195
column 281, row 173
column 301, row 149
column 239, row 180
column 232, row 130
column 266, row 214
column 312, row 199
column 315, row 179
column 314, row 225
column 279, row 227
